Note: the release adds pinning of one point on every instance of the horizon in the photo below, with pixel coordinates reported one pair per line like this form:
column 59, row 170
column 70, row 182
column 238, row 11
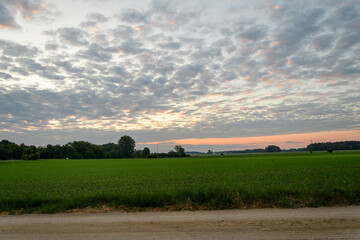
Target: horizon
column 219, row 145
column 204, row 75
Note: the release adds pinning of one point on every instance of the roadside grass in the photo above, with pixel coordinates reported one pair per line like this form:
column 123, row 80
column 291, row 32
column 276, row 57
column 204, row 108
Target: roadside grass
column 288, row 180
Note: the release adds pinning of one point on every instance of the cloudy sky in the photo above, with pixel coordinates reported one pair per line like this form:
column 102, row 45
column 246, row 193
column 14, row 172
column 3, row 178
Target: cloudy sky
column 205, row 74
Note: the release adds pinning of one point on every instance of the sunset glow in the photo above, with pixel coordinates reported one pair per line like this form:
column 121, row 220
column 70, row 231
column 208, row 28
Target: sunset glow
column 284, row 141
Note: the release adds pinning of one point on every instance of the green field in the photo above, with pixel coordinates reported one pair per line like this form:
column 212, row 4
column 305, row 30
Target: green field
column 209, row 182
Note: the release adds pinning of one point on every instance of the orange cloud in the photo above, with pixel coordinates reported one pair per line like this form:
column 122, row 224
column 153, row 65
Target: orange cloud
column 7, row 26
column 284, row 141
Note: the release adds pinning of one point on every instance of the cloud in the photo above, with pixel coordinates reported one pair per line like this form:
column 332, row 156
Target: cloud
column 253, row 33
column 123, row 32
column 170, row 45
column 131, row 46
column 348, row 40
column 174, row 71
column 73, row 36
column 9, row 9
column 13, row 49
column 132, row 16
column 5, row 76
column 95, row 53
column 7, row 20
column 93, row 19
column 323, row 42
column 98, row 17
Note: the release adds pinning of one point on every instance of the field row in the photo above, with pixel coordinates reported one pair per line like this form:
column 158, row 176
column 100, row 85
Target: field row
column 237, row 181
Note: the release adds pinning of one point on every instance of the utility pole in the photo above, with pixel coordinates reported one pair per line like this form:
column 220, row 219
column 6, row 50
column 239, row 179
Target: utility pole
column 157, row 148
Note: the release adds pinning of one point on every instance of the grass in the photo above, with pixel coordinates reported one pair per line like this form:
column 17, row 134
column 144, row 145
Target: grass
column 209, row 182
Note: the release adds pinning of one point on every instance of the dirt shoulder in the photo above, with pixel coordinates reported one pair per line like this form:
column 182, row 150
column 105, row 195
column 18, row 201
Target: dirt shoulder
column 304, row 223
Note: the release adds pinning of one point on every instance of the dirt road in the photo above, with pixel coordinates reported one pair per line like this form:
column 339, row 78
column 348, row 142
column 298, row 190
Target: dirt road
column 308, row 223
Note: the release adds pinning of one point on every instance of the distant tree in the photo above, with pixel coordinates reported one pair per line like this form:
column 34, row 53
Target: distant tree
column 173, row 154
column 210, row 152
column 126, row 146
column 330, row 150
column 85, row 150
column 112, row 150
column 180, row 151
column 272, row 148
column 30, row 153
column 153, row 155
column 146, row 152
column 9, row 150
column 137, row 153
column 346, row 145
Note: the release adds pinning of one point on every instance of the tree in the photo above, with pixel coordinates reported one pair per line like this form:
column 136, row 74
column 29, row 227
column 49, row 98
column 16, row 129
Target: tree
column 30, row 153
column 146, row 152
column 180, row 150
column 126, row 146
column 272, row 148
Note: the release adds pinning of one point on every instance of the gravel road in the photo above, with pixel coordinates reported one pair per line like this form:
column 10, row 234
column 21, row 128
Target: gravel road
column 305, row 223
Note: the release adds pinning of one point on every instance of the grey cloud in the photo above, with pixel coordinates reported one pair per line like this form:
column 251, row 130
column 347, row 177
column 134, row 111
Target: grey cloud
column 98, row 17
column 323, row 42
column 119, row 71
column 171, row 45
column 255, row 33
column 94, row 19
column 342, row 15
column 68, row 67
column 207, row 54
column 96, row 53
column 160, row 80
column 5, row 64
column 235, row 61
column 73, row 36
column 123, row 32
column 133, row 16
column 15, row 50
column 168, row 14
column 162, row 5
column 51, row 46
column 51, row 76
column 294, row 36
column 31, row 65
column 9, row 9
column 20, row 71
column 5, row 76
column 306, row 60
column 28, row 8
column 300, row 25
column 131, row 46
column 88, row 24
column 7, row 20
column 143, row 80
column 348, row 40
column 187, row 72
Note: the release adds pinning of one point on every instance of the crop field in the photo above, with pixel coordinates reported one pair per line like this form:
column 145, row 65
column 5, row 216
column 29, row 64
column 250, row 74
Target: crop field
column 209, row 182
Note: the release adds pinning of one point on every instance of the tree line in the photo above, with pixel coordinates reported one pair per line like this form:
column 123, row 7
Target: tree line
column 125, row 148
column 345, row 145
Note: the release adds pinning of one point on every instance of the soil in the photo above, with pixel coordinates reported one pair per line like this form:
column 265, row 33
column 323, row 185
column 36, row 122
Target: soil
column 303, row 223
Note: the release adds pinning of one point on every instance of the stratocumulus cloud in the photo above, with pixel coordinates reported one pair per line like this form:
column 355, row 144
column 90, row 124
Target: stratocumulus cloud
column 169, row 70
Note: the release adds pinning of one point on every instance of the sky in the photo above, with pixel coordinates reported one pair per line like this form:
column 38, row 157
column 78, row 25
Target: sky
column 218, row 75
